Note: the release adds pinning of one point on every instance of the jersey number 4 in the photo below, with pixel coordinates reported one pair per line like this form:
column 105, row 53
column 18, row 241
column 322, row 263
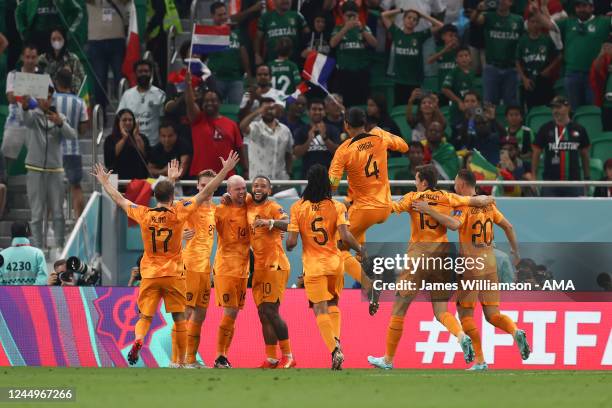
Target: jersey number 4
column 157, row 233
column 321, row 230
column 371, row 167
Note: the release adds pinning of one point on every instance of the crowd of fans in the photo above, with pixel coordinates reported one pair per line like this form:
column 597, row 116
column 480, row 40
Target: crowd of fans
column 463, row 77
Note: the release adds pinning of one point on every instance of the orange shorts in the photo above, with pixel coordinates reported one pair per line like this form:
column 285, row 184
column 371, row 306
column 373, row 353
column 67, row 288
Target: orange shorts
column 432, row 274
column 169, row 288
column 269, row 285
column 198, row 288
column 468, row 298
column 230, row 291
column 363, row 218
column 323, row 287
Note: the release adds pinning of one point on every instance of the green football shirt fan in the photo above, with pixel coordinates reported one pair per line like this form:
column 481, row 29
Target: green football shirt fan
column 274, row 25
column 285, row 75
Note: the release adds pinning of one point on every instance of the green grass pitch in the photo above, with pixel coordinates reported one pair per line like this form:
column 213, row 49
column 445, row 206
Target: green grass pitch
column 251, row 388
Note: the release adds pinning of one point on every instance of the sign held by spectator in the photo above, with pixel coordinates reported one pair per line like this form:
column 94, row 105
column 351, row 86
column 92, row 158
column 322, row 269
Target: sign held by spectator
column 34, row 85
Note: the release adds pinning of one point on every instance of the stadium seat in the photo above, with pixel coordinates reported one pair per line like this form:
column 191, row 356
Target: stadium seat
column 590, row 118
column 399, row 116
column 500, row 115
column 296, row 168
column 596, row 137
column 396, row 165
column 597, row 170
column 537, row 116
column 229, row 110
column 431, row 83
column 602, row 150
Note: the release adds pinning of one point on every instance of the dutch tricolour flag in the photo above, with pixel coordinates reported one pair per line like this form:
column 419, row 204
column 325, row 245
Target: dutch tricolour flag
column 208, row 39
column 318, row 68
column 301, row 89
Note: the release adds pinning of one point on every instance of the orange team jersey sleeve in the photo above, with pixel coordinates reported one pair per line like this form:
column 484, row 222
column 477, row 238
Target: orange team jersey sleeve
column 267, row 244
column 232, row 256
column 196, row 255
column 393, row 142
column 424, row 228
column 317, row 224
column 404, row 204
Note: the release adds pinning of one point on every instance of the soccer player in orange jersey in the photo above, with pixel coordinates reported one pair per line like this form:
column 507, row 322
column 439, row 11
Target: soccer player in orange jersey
column 363, row 156
column 317, row 218
column 475, row 227
column 161, row 266
column 267, row 220
column 428, row 236
column 231, row 266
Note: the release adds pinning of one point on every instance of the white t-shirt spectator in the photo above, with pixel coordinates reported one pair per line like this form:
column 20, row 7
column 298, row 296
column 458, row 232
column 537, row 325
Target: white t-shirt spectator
column 148, row 107
column 275, row 94
column 267, row 149
column 428, row 7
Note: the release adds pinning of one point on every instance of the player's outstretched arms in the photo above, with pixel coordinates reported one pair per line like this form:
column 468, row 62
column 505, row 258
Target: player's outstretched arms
column 446, row 220
column 175, row 169
column 103, row 176
column 292, row 240
column 481, row 201
column 348, row 239
column 511, row 235
column 228, row 164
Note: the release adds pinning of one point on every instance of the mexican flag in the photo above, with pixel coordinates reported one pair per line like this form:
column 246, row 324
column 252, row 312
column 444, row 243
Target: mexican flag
column 132, row 50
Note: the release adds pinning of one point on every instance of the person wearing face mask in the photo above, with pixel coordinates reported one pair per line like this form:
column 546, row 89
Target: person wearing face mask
column 145, row 100
column 59, row 57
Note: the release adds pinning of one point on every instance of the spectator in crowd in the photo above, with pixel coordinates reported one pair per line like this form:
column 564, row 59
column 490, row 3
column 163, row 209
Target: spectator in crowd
column 471, row 105
column 106, row 43
column 334, row 111
column 145, row 101
column 285, row 73
column 170, row 147
column 228, row 66
column 75, row 111
column 583, row 37
column 565, row 145
column 502, row 30
column 61, row 276
column 213, row 135
column 35, row 19
column 275, row 24
column 407, row 51
column 14, row 128
column 484, row 133
column 510, row 165
column 537, row 59
column 270, row 143
column 350, row 40
column 378, row 115
column 446, row 53
column 439, row 152
column 126, row 149
column 294, row 112
column 517, row 130
column 23, row 264
column 263, row 88
column 605, row 191
column 135, row 277
column 318, row 39
column 426, row 114
column 59, row 57
column 45, row 129
column 161, row 15
column 316, row 142
column 601, row 84
column 475, row 35
column 416, row 154
column 458, row 82
column 604, row 281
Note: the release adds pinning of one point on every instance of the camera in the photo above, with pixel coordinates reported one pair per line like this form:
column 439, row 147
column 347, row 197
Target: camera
column 491, row 4
column 85, row 275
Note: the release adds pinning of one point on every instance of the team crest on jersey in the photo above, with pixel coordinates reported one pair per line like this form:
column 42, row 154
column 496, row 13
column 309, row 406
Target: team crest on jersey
column 414, row 42
column 457, row 213
column 133, row 206
column 591, row 28
column 514, row 26
column 186, row 203
column 542, row 49
column 189, row 296
column 575, row 133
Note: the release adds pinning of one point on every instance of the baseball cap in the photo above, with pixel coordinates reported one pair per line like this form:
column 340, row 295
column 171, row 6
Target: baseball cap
column 20, row 229
column 559, row 101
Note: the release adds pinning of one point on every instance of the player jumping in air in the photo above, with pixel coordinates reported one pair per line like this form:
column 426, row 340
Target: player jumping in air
column 428, row 237
column 267, row 220
column 364, row 158
column 317, row 218
column 475, row 227
column 231, row 267
column 161, row 266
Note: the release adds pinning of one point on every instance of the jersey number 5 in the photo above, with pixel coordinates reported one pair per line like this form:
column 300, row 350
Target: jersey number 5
column 371, row 168
column 321, row 230
column 156, row 233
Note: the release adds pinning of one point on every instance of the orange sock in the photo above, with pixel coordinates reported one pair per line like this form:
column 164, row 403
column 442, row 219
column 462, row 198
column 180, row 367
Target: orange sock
column 181, row 340
column 226, row 331
column 271, row 352
column 353, row 268
column 193, row 340
column 450, row 322
column 394, row 334
column 503, row 322
column 469, row 327
column 327, row 331
column 142, row 327
column 336, row 319
column 174, row 353
column 285, row 347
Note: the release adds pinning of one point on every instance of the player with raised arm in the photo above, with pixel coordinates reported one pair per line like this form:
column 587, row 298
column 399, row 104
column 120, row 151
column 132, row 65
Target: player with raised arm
column 267, row 220
column 475, row 227
column 428, row 237
column 161, row 266
column 317, row 218
column 363, row 156
column 231, row 266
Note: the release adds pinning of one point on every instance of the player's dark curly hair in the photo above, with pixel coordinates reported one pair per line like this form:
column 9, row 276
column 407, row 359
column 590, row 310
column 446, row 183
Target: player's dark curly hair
column 319, row 187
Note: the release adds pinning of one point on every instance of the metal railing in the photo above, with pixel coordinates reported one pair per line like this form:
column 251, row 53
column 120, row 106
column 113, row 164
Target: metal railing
column 192, row 11
column 123, row 86
column 97, row 133
column 172, row 52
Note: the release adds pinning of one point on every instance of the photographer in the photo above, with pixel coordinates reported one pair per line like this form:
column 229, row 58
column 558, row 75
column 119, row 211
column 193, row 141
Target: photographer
column 60, row 275
column 22, row 264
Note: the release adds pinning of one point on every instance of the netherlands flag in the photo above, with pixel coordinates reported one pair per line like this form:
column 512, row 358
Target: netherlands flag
column 318, row 68
column 301, row 89
column 209, row 39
